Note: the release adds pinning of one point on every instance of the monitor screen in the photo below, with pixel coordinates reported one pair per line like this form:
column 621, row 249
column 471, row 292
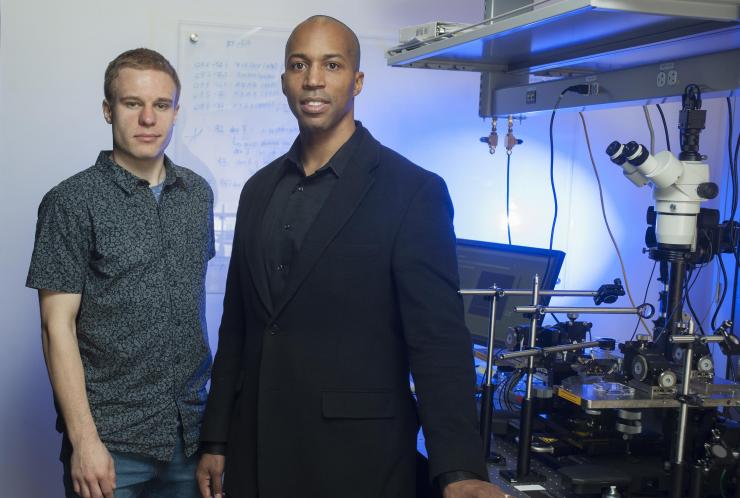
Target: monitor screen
column 484, row 264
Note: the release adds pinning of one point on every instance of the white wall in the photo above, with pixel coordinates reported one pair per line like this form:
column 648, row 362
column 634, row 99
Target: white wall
column 52, row 58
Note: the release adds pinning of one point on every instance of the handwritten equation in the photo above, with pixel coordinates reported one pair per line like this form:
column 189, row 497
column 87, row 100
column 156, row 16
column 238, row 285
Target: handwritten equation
column 233, row 116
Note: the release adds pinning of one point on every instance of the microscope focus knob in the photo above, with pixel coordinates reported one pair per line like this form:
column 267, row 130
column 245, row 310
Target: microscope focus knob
column 707, row 190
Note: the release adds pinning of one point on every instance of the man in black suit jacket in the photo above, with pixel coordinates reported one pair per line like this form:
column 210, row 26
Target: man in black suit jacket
column 343, row 278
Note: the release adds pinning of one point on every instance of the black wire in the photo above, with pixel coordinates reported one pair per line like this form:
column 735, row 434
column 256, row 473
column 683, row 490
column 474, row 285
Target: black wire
column 736, row 253
column 688, row 302
column 501, row 391
column 552, row 181
column 724, row 291
column 513, row 381
column 508, row 177
column 731, row 364
column 644, row 299
column 511, row 384
column 552, row 175
column 665, row 127
column 519, row 377
column 503, row 394
column 733, row 211
column 507, row 401
column 733, row 167
column 733, row 162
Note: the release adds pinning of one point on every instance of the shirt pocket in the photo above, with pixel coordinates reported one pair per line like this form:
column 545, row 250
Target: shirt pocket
column 122, row 247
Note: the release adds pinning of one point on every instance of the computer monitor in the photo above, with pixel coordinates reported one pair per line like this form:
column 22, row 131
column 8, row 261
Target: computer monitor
column 483, row 264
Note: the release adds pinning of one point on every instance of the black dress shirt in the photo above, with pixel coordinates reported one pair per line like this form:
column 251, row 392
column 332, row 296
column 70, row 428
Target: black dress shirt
column 293, row 207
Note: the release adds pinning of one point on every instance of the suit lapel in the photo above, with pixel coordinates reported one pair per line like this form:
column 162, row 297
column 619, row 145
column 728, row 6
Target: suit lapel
column 255, row 250
column 351, row 187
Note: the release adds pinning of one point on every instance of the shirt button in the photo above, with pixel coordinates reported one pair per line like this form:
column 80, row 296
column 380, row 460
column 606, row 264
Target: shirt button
column 282, row 268
column 287, row 226
column 274, row 329
column 299, row 188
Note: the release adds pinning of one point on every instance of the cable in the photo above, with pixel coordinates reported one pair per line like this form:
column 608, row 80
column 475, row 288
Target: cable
column 733, row 210
column 644, row 299
column 665, row 127
column 583, row 89
column 606, row 222
column 552, row 174
column 688, row 301
column 650, row 127
column 733, row 162
column 731, row 364
column 734, row 166
column 508, row 179
column 725, row 282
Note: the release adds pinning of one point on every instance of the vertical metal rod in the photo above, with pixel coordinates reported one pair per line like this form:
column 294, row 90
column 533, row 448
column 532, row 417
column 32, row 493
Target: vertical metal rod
column 679, row 465
column 525, row 425
column 486, row 406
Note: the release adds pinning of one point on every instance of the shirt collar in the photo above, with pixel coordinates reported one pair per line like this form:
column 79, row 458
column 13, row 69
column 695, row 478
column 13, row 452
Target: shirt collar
column 338, row 162
column 128, row 181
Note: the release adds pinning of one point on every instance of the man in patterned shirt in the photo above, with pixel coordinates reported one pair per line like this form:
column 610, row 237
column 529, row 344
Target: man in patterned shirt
column 119, row 261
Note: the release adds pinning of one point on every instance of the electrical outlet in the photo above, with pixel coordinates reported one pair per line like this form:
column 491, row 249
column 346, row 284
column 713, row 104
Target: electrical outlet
column 672, row 77
column 531, row 97
column 661, row 79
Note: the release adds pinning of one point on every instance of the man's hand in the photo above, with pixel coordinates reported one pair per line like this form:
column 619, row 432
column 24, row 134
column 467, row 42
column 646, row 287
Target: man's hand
column 92, row 471
column 209, row 475
column 473, row 488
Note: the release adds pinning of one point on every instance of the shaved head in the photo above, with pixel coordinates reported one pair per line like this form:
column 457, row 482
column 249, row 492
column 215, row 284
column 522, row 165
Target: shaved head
column 353, row 44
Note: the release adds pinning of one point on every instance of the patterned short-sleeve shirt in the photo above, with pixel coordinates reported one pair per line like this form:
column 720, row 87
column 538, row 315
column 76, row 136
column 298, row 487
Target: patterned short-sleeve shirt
column 140, row 268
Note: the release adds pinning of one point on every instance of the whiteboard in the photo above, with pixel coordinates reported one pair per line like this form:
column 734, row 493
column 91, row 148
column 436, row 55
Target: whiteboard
column 233, row 117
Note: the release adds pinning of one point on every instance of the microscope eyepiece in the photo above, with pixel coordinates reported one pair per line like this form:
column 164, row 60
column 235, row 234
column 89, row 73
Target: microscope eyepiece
column 636, row 153
column 615, row 151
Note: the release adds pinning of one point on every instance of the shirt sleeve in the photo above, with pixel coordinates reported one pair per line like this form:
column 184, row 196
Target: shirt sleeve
column 438, row 343
column 61, row 247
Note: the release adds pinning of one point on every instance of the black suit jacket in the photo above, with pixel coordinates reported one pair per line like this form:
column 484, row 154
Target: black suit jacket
column 311, row 394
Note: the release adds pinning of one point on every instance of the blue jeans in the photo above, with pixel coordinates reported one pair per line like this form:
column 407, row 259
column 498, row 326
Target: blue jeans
column 139, row 476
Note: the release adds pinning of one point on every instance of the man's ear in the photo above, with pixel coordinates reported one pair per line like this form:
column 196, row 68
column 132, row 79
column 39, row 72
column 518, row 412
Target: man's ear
column 359, row 80
column 107, row 112
column 282, row 83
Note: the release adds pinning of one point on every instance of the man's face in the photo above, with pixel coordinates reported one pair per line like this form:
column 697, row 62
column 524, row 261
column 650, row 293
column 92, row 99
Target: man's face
column 320, row 80
column 142, row 114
